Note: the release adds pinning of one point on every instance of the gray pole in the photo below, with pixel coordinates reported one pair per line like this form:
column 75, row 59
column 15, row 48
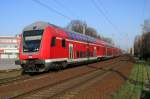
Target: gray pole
column 84, row 28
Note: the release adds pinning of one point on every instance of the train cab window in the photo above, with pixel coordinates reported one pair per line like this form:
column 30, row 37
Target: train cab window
column 53, row 41
column 63, row 43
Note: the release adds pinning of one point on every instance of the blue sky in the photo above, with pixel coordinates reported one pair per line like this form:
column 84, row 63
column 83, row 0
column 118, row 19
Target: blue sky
column 126, row 16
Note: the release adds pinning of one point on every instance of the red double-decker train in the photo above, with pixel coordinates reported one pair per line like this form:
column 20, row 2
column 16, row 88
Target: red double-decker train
column 44, row 46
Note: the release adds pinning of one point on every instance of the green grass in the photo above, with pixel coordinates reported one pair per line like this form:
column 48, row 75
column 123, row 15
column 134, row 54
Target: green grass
column 133, row 87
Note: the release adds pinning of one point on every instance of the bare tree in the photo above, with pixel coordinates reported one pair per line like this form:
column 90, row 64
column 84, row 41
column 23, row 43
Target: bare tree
column 146, row 26
column 136, row 46
column 99, row 37
column 107, row 39
column 142, row 43
column 91, row 32
column 80, row 26
column 77, row 26
column 145, row 49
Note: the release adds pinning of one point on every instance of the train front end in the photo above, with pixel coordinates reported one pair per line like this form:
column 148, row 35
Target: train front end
column 33, row 49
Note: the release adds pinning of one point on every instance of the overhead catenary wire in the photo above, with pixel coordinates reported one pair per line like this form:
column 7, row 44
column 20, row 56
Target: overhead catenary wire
column 104, row 9
column 64, row 7
column 143, row 14
column 52, row 9
column 67, row 17
column 105, row 16
column 101, row 12
column 143, row 10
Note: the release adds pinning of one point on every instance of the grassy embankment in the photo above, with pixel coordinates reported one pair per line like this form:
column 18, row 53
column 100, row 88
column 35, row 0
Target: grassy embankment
column 139, row 77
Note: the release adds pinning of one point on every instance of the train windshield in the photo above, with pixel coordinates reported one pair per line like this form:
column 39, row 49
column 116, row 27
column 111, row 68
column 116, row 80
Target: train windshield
column 32, row 40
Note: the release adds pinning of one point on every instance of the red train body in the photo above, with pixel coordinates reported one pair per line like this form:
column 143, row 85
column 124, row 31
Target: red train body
column 44, row 46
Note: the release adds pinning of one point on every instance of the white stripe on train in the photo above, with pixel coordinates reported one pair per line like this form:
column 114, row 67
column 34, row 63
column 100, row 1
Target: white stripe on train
column 72, row 60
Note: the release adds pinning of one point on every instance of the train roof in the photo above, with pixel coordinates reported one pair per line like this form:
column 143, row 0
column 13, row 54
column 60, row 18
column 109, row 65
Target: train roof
column 71, row 34
column 36, row 26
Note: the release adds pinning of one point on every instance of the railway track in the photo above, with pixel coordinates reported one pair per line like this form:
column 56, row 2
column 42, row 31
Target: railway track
column 16, row 79
column 134, row 81
column 63, row 88
column 147, row 73
column 141, row 80
column 21, row 77
column 13, row 79
column 146, row 86
column 29, row 87
column 73, row 91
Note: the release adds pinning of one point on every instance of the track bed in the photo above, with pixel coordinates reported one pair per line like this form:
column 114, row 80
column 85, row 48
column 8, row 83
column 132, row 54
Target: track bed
column 90, row 80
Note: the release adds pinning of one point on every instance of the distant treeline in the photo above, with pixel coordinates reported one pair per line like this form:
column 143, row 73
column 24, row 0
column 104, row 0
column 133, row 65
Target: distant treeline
column 142, row 42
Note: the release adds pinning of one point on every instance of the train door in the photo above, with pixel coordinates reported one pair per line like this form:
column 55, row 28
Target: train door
column 71, row 52
column 106, row 51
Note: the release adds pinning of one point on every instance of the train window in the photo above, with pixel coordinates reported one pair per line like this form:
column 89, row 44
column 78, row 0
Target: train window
column 81, row 54
column 98, row 48
column 53, row 41
column 63, row 43
column 78, row 54
column 87, row 53
column 92, row 54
